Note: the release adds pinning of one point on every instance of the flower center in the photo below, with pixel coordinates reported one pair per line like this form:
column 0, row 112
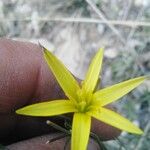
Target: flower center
column 84, row 101
column 82, row 106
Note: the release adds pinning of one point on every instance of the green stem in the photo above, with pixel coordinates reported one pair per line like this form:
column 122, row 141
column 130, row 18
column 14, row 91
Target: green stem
column 54, row 125
column 97, row 139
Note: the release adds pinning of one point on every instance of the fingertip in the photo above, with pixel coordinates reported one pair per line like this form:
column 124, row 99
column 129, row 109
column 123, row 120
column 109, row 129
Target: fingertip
column 104, row 131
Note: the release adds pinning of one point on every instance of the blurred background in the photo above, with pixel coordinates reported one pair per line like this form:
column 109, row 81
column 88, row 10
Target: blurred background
column 75, row 29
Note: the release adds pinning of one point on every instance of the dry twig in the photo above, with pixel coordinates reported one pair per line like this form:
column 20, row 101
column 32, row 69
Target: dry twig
column 128, row 23
column 102, row 16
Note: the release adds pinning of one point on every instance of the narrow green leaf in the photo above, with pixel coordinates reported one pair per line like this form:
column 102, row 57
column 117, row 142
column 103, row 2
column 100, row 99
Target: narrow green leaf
column 63, row 76
column 51, row 108
column 112, row 93
column 116, row 120
column 93, row 72
column 80, row 131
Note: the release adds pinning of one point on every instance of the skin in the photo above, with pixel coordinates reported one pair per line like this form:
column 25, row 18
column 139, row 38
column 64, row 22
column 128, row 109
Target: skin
column 26, row 79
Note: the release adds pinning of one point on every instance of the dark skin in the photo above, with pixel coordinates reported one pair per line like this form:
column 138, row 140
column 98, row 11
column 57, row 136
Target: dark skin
column 26, row 79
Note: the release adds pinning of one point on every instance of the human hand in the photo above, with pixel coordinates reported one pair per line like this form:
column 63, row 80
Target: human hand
column 25, row 79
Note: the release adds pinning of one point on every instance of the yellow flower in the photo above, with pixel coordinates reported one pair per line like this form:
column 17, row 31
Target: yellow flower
column 84, row 101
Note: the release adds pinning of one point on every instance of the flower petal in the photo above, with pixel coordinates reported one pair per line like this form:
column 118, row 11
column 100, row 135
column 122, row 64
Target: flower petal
column 80, row 131
column 112, row 93
column 52, row 108
column 116, row 120
column 63, row 76
column 93, row 72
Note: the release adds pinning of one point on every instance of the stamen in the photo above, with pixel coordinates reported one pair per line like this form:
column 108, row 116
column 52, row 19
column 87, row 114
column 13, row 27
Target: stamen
column 82, row 106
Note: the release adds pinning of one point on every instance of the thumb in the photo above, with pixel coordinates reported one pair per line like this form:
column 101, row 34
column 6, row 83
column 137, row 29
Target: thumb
column 24, row 79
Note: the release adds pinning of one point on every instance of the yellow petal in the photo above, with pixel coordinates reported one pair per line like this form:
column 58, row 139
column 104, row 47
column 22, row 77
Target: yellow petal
column 93, row 72
column 80, row 131
column 63, row 76
column 115, row 120
column 112, row 93
column 52, row 108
